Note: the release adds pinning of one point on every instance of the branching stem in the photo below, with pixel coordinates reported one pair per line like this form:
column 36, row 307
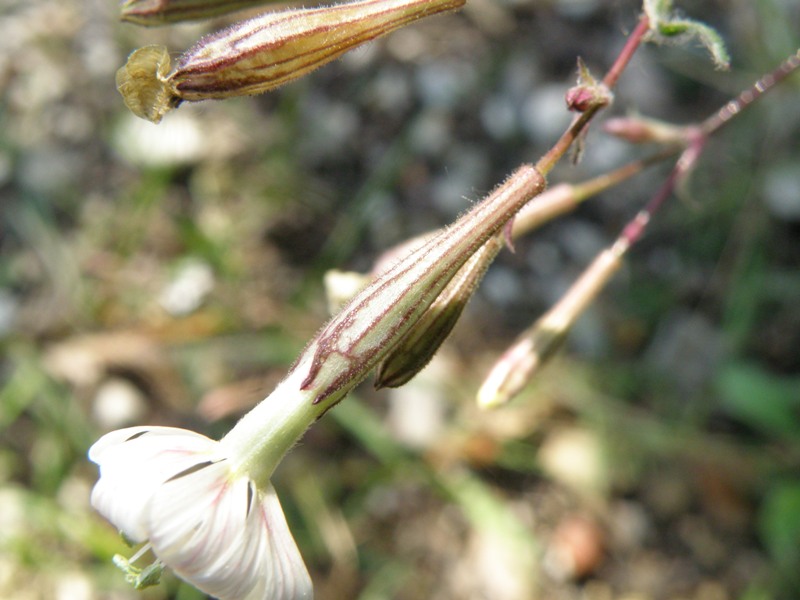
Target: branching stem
column 579, row 124
column 751, row 94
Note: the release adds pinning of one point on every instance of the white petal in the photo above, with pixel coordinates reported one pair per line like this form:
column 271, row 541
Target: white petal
column 226, row 538
column 288, row 578
column 133, row 463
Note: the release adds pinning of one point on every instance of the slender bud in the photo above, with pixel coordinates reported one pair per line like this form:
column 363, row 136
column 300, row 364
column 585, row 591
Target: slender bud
column 417, row 348
column 640, row 130
column 263, row 53
column 535, row 346
column 425, row 338
column 162, row 12
column 383, row 313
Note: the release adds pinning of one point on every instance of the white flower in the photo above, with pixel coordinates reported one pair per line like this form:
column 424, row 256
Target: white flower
column 175, row 490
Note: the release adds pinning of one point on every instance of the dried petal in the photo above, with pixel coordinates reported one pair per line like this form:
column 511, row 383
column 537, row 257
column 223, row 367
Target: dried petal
column 143, row 83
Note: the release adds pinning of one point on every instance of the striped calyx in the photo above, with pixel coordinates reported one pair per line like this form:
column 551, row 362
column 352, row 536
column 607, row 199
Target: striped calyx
column 262, row 53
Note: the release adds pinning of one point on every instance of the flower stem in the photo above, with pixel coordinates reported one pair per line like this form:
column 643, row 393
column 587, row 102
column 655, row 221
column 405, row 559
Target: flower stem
column 751, row 94
column 628, row 50
column 581, row 121
column 699, row 135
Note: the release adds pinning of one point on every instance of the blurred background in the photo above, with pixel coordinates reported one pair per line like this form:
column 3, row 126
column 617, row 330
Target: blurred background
column 169, row 275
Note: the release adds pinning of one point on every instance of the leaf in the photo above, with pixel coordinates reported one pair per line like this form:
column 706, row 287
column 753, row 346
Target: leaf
column 765, row 401
column 779, row 522
column 665, row 26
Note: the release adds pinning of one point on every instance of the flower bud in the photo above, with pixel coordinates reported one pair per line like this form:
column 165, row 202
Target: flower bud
column 382, row 314
column 417, row 348
column 262, row 53
column 639, row 130
column 589, row 93
column 535, row 347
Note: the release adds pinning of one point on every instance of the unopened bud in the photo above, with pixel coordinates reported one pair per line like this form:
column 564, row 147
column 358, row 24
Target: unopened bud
column 162, row 12
column 589, row 93
column 535, row 347
column 417, row 348
column 383, row 313
column 518, row 364
column 639, row 130
column 263, row 53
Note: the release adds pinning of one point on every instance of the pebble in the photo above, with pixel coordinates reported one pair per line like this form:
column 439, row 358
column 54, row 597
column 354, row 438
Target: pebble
column 544, row 115
column 118, row 403
column 574, row 456
column 73, row 585
column 430, row 133
column 390, row 91
column 49, row 169
column 177, row 140
column 578, row 9
column 782, row 191
column 442, row 84
column 187, row 290
column 9, row 305
column 687, row 348
column 499, row 117
column 575, row 549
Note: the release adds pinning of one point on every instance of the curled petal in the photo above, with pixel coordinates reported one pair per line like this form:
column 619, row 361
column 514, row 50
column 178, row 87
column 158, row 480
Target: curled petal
column 226, row 537
column 133, row 463
column 215, row 529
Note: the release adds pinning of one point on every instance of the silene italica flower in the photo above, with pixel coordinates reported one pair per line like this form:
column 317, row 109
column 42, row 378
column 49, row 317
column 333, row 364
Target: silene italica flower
column 207, row 509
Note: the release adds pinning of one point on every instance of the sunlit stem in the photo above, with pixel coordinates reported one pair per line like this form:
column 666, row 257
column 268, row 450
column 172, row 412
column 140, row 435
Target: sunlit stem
column 565, row 197
column 751, row 94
